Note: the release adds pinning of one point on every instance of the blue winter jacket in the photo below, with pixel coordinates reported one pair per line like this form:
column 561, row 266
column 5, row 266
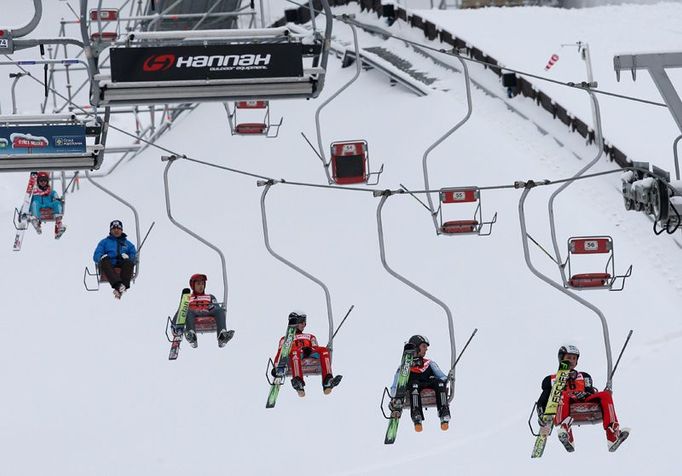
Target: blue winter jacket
column 114, row 247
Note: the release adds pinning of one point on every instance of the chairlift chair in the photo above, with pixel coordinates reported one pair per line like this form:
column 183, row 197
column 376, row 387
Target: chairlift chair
column 100, row 19
column 463, row 227
column 262, row 128
column 350, row 163
column 101, row 277
column 50, row 142
column 166, row 67
column 594, row 245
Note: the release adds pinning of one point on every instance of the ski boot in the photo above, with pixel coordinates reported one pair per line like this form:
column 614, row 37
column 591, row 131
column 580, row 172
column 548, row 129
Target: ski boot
column 224, row 337
column 59, row 228
column 565, row 435
column 191, row 337
column 299, row 386
column 35, row 221
column 615, row 436
column 330, row 382
column 444, row 414
column 417, row 419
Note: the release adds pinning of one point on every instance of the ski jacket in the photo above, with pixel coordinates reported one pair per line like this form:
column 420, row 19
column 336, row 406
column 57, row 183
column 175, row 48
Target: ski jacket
column 301, row 340
column 578, row 387
column 202, row 302
column 44, row 198
column 421, row 369
column 114, row 247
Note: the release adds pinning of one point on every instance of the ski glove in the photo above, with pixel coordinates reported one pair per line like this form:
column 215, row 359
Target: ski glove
column 307, row 351
column 395, row 405
column 580, row 395
column 124, row 256
column 104, row 256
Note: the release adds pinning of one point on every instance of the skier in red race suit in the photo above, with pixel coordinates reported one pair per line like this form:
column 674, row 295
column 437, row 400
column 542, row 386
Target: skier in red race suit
column 201, row 305
column 305, row 346
column 579, row 389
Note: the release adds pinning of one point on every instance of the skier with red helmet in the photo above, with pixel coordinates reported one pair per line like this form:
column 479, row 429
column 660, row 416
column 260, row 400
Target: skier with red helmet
column 201, row 305
column 424, row 373
column 44, row 197
column 305, row 346
column 579, row 388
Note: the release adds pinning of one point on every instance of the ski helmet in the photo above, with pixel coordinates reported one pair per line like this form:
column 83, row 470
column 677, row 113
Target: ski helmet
column 567, row 349
column 297, row 317
column 418, row 340
column 43, row 176
column 195, row 278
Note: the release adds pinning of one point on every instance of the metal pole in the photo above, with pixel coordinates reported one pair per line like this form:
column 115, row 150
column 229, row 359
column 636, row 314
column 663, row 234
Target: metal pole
column 324, row 287
column 171, row 160
column 137, row 218
column 596, row 116
column 677, row 162
column 318, row 129
column 467, row 82
column 426, row 294
column 593, row 308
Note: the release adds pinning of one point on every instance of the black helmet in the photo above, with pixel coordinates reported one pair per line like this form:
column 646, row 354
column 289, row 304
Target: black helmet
column 297, row 317
column 417, row 340
column 567, row 349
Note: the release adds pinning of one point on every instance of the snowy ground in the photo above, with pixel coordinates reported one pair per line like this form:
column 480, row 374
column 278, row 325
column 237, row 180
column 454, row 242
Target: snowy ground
column 89, row 389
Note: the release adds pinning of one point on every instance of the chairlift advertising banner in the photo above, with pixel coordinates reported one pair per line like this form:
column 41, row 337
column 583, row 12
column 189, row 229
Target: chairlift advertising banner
column 15, row 140
column 233, row 61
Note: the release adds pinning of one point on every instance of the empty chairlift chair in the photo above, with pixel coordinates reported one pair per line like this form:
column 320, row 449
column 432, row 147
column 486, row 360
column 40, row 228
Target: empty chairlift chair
column 263, row 127
column 462, row 195
column 350, row 163
column 166, row 67
column 50, row 142
column 100, row 28
column 594, row 245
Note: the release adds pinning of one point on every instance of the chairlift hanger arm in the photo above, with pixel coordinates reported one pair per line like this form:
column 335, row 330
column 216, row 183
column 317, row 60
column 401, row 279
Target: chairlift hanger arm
column 170, row 161
column 382, row 253
column 33, row 22
column 425, row 169
column 590, row 306
column 266, row 237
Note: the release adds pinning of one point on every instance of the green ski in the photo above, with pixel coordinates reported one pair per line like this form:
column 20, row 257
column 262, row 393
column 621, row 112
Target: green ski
column 550, row 410
column 179, row 324
column 281, row 366
column 401, row 386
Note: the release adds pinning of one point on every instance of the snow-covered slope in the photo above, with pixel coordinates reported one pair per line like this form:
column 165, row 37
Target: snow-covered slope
column 88, row 389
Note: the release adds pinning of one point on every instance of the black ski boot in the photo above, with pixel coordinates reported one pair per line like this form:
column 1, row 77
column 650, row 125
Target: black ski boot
column 330, row 382
column 299, row 386
column 444, row 415
column 191, row 337
column 224, row 337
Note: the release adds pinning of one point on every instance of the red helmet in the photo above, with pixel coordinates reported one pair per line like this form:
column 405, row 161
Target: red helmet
column 43, row 175
column 195, row 278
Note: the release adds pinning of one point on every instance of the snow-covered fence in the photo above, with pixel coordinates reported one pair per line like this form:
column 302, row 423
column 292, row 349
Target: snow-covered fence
column 394, row 13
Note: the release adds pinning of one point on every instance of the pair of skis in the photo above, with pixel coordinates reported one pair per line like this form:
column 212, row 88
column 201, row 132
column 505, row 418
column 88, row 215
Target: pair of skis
column 281, row 366
column 547, row 417
column 179, row 325
column 409, row 353
column 23, row 211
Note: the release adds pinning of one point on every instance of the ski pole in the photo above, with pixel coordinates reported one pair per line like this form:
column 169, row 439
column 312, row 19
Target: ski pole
column 314, row 149
column 342, row 321
column 145, row 236
column 465, row 347
column 627, row 339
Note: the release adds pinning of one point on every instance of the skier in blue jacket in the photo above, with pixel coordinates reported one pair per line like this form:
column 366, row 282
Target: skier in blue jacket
column 44, row 197
column 115, row 251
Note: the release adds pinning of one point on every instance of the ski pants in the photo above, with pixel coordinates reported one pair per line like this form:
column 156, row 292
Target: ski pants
column 115, row 279
column 318, row 352
column 218, row 313
column 604, row 399
column 421, row 381
column 39, row 202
